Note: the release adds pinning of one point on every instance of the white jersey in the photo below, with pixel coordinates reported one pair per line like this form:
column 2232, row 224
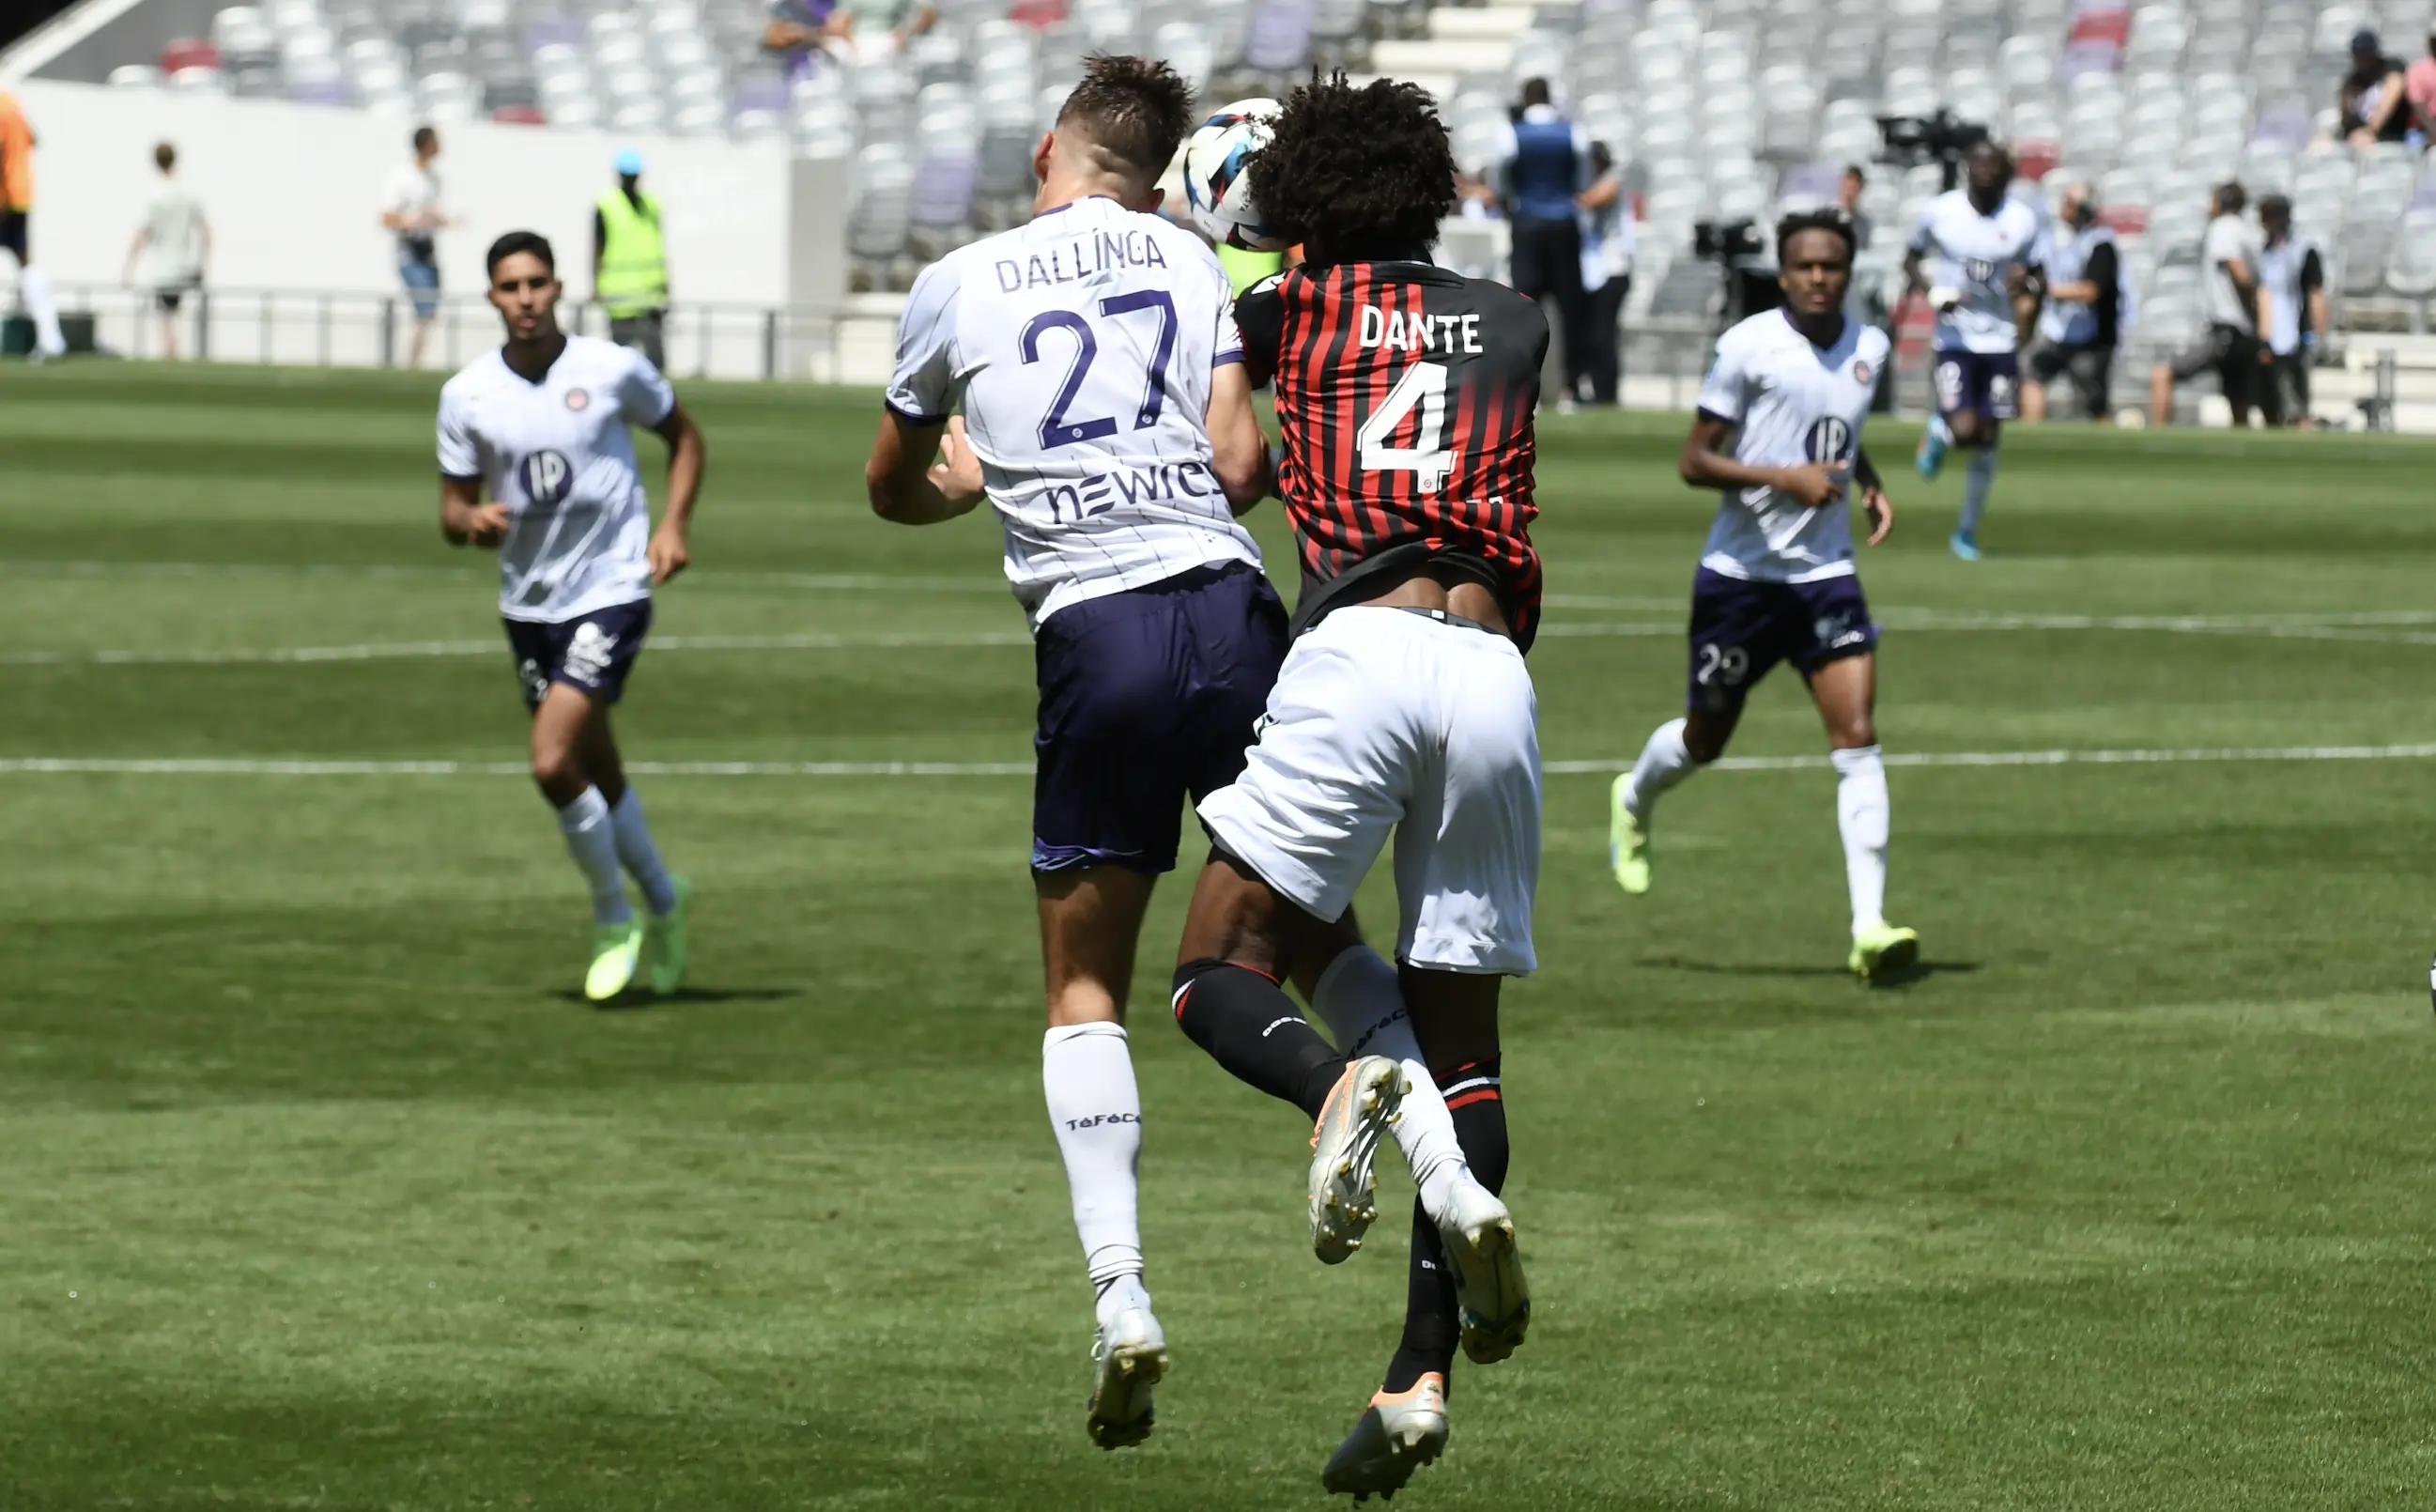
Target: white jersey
column 1976, row 257
column 1082, row 347
column 173, row 239
column 558, row 453
column 1792, row 402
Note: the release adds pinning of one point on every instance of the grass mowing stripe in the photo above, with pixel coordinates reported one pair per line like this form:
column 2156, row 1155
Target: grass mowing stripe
column 279, row 767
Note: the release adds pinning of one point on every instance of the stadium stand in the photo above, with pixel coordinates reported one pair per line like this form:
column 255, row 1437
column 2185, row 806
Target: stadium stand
column 1719, row 110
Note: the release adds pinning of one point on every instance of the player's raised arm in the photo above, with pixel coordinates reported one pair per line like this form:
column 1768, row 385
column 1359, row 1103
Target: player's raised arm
column 687, row 458
column 1239, row 453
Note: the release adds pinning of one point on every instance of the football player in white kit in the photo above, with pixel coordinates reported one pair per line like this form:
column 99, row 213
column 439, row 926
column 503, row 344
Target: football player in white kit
column 1106, row 417
column 1983, row 290
column 1791, row 387
column 540, row 426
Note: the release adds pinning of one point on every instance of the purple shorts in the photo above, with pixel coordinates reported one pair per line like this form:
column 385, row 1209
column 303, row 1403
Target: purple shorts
column 591, row 653
column 1988, row 384
column 1740, row 630
column 1147, row 697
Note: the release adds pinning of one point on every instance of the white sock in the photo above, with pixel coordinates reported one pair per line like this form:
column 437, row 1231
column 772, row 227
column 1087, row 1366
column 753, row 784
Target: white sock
column 641, row 858
column 585, row 822
column 1095, row 1111
column 1663, row 763
column 34, row 288
column 1861, row 815
column 1938, row 427
column 1975, row 485
column 1363, row 1008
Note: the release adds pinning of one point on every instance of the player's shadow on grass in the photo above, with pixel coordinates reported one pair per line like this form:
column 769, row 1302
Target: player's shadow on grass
column 682, row 998
column 1908, row 977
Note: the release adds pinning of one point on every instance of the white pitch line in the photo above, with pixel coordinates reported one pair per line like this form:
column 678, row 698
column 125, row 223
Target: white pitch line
column 2362, row 628
column 273, row 767
column 980, row 581
column 423, row 649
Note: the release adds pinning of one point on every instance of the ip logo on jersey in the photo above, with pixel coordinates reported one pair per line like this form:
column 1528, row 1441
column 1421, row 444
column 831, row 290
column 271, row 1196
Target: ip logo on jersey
column 545, row 475
column 1979, row 271
column 1830, row 440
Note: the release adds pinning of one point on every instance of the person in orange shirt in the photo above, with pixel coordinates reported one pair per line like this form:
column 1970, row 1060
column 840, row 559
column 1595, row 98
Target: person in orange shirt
column 16, row 226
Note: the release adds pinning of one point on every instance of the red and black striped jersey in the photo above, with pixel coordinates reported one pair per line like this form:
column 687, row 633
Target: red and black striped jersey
column 1405, row 392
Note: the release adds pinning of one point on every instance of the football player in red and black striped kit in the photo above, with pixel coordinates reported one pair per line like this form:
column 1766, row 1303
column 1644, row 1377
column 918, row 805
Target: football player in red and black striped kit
column 1405, row 392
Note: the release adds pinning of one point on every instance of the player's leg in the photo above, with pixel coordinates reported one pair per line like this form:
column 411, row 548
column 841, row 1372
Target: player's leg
column 1949, row 377
column 1090, row 919
column 1842, row 670
column 2238, row 371
column 1467, row 870
column 1296, row 833
column 668, row 898
column 561, row 713
column 1114, row 703
column 1734, row 640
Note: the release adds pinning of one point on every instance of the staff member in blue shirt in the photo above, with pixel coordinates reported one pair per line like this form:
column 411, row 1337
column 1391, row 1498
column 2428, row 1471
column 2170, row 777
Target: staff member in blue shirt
column 1548, row 165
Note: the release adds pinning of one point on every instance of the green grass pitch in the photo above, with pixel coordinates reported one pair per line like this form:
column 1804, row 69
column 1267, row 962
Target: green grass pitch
column 319, row 1189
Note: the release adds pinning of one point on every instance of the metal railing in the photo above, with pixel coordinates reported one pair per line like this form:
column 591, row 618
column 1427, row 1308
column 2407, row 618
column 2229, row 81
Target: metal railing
column 364, row 329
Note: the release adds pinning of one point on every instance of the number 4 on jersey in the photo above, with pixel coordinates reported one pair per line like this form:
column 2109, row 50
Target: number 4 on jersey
column 1424, row 384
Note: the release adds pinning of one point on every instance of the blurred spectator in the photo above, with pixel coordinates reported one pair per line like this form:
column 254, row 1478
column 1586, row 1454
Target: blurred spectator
column 2371, row 97
column 1546, row 164
column 630, row 263
column 2419, row 90
column 2229, row 299
column 2083, row 319
column 412, row 210
column 849, row 31
column 1848, row 198
column 1606, row 272
column 1476, row 199
column 17, row 227
column 171, row 248
column 2293, row 317
column 797, row 28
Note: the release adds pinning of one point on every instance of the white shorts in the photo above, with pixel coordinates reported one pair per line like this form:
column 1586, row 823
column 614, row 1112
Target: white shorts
column 1385, row 720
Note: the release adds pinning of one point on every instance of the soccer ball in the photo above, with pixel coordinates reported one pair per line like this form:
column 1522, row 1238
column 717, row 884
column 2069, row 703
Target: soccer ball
column 1216, row 189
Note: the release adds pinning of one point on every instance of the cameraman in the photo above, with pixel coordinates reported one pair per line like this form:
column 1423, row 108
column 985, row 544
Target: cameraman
column 2083, row 319
column 1546, row 167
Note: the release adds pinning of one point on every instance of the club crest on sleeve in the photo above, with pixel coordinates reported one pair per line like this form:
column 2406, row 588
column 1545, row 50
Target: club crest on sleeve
column 579, row 398
column 1861, row 372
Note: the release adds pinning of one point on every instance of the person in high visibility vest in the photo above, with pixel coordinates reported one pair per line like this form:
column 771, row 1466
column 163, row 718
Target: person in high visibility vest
column 630, row 263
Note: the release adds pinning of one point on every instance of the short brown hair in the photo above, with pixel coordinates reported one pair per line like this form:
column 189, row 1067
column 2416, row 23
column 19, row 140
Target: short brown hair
column 1136, row 110
column 167, row 156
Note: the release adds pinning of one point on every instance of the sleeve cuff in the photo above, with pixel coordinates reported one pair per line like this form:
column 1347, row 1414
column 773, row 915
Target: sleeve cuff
column 913, row 417
column 1707, row 413
column 1225, row 360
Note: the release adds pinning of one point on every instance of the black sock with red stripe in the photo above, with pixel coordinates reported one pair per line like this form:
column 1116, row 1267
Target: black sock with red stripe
column 1477, row 1103
column 1248, row 1025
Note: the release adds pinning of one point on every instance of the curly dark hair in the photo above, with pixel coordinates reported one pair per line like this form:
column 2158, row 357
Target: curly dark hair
column 1830, row 220
column 1135, row 109
column 1355, row 174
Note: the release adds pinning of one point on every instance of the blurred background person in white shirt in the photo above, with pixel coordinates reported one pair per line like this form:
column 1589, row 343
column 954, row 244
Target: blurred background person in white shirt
column 1607, row 274
column 171, row 248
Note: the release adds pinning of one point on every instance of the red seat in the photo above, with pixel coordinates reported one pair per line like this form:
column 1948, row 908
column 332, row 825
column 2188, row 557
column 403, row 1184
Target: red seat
column 1040, row 13
column 189, row 52
column 2035, row 159
column 519, row 115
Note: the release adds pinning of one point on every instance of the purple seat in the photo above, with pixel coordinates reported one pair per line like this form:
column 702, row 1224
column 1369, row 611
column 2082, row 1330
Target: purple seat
column 943, row 188
column 2285, row 127
column 1812, row 182
column 322, row 91
column 759, row 95
column 1279, row 40
column 557, row 29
